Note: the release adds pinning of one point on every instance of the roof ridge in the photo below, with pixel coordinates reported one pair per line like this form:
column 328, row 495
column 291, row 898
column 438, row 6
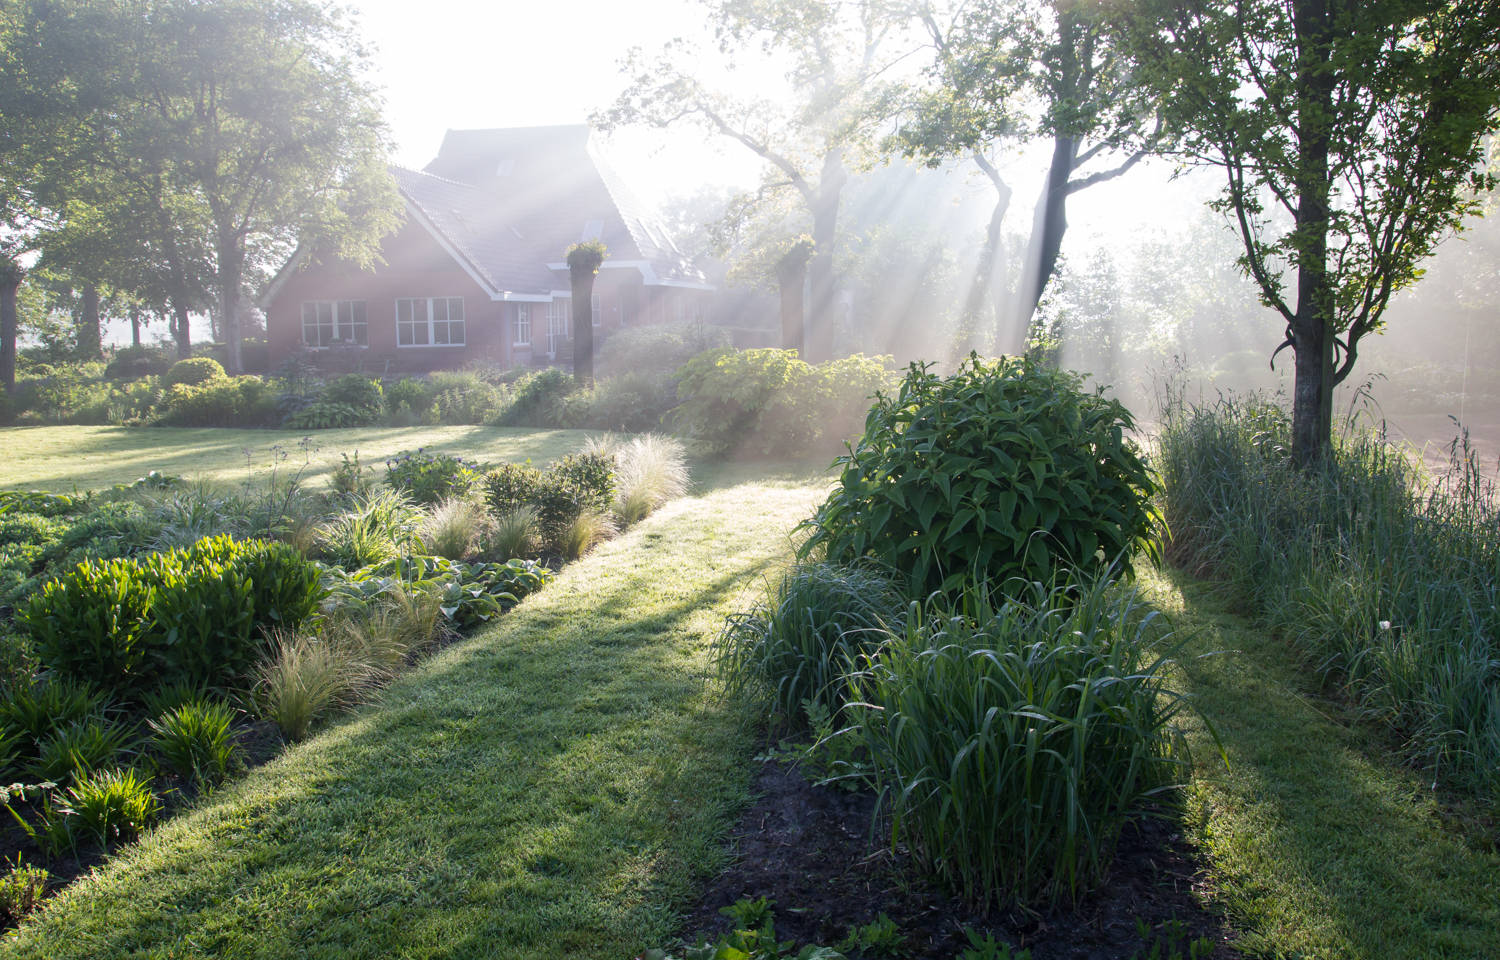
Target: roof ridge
column 432, row 176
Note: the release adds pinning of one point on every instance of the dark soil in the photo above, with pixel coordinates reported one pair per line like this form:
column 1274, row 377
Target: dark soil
column 810, row 850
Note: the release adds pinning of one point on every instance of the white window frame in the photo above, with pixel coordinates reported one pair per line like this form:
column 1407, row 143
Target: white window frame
column 521, row 329
column 559, row 323
column 428, row 304
column 357, row 316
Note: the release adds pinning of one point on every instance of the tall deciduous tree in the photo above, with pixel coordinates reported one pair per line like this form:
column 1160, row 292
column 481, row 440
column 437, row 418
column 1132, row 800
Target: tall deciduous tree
column 203, row 133
column 839, row 57
column 1005, row 74
column 1350, row 133
column 583, row 266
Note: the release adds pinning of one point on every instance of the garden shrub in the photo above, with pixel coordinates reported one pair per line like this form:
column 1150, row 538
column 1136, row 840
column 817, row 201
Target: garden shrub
column 376, row 527
column 537, row 399
column 220, row 402
column 408, row 401
column 133, row 363
column 1013, row 744
column 656, row 349
column 464, row 397
column 511, row 486
column 41, row 503
column 1003, row 470
column 802, row 641
column 194, row 371
column 631, row 402
column 768, row 402
column 360, row 392
column 430, row 477
column 320, row 415
column 187, row 615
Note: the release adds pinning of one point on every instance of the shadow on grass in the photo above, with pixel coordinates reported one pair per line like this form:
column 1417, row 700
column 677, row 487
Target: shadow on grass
column 550, row 787
column 1322, row 845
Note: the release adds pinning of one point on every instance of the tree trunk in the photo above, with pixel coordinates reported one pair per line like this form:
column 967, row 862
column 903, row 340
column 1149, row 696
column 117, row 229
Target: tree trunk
column 1312, row 329
column 821, row 321
column 90, row 340
column 182, row 330
column 231, row 270
column 791, row 278
column 1048, row 227
column 135, row 326
column 10, row 282
column 582, row 283
column 988, row 292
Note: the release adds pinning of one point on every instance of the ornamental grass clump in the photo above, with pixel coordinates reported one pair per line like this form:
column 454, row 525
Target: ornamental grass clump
column 1011, row 745
column 452, row 527
column 1384, row 578
column 195, row 741
column 378, row 527
column 1006, row 469
column 650, row 470
column 817, row 625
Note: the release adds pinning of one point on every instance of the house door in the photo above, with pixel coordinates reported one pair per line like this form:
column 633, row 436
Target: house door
column 558, row 314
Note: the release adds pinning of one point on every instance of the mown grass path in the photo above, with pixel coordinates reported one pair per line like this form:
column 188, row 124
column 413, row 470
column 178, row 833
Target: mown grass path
column 1321, row 846
column 548, row 788
column 63, row 459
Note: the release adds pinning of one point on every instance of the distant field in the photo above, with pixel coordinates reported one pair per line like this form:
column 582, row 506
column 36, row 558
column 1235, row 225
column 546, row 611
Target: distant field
column 86, row 458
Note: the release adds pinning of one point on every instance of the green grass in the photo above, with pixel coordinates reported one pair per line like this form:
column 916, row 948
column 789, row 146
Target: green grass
column 552, row 787
column 1321, row 844
column 61, row 459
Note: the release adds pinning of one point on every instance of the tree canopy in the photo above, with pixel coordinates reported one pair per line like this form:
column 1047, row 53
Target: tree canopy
column 1350, row 135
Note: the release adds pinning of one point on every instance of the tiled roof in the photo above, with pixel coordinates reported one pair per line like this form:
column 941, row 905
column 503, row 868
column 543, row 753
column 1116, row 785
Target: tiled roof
column 511, row 201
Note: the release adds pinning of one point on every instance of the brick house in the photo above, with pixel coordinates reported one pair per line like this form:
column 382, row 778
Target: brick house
column 476, row 272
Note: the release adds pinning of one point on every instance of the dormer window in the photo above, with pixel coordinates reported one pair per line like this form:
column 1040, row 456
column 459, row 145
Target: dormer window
column 592, row 230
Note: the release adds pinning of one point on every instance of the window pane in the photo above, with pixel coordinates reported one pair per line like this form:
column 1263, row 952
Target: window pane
column 439, row 311
column 456, row 332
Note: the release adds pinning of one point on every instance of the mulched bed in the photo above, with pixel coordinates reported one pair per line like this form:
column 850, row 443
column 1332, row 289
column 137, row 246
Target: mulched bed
column 810, row 850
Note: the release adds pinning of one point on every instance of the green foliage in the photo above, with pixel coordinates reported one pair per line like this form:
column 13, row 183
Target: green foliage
column 1012, row 744
column 194, row 740
column 630, row 402
column 592, row 474
column 988, row 948
column 650, row 470
column 452, row 528
column 220, row 402
column 350, row 478
column 463, row 397
column 190, row 614
column 320, row 415
column 194, row 371
column 653, row 351
column 470, row 593
column 305, row 679
column 375, row 528
column 1382, row 578
column 753, row 938
column 430, row 477
column 537, row 399
column 770, row 403
column 40, row 503
column 21, row 890
column 408, row 401
column 511, row 486
column 109, row 806
column 880, row 937
column 359, row 392
column 818, row 624
column 515, row 533
column 133, row 363
column 574, row 486
column 1171, row 942
column 78, row 748
column 29, row 711
column 1001, row 470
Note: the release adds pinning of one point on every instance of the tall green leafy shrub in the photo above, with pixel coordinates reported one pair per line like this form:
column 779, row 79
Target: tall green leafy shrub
column 193, row 371
column 1013, row 744
column 190, row 615
column 537, row 399
column 430, row 477
column 1004, row 469
column 220, row 402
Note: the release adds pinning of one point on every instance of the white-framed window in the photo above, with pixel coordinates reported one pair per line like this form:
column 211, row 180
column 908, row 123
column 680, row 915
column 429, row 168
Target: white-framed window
column 327, row 323
column 430, row 322
column 522, row 337
column 596, row 309
column 559, row 323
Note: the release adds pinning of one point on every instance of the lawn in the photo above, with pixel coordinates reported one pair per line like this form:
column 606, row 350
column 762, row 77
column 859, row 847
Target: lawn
column 553, row 786
column 1320, row 844
column 62, row 459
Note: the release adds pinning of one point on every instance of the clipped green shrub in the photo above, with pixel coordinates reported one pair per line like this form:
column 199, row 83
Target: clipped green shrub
column 537, row 399
column 800, row 643
column 768, row 402
column 190, row 615
column 512, row 486
column 193, row 371
column 430, row 477
column 1013, row 744
column 1003, row 470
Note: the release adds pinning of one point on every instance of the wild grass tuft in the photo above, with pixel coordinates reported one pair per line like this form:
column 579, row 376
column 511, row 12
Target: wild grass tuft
column 813, row 628
column 453, row 527
column 580, row 534
column 1012, row 744
column 21, row 889
column 110, row 805
column 650, row 470
column 194, row 741
column 306, row 678
column 514, row 534
column 81, row 747
column 1382, row 576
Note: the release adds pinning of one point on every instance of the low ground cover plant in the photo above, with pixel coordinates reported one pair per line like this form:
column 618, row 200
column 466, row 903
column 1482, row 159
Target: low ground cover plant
column 1006, row 469
column 1384, row 577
